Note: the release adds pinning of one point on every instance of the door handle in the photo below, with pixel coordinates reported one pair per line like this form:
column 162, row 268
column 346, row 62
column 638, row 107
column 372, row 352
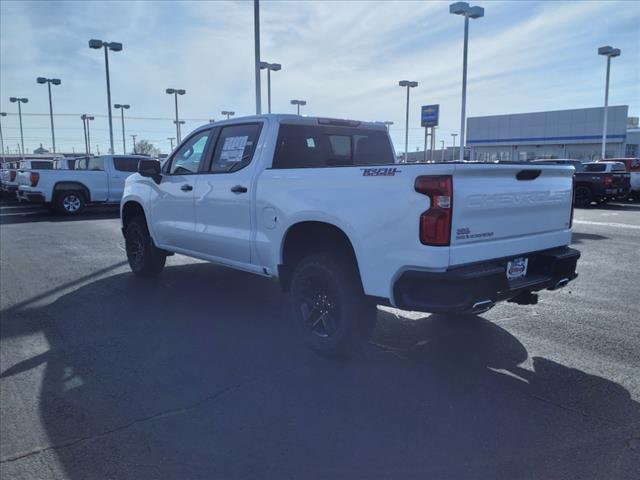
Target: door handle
column 186, row 188
column 239, row 189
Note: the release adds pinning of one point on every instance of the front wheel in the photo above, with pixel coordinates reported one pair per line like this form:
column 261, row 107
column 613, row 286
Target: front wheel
column 145, row 259
column 328, row 305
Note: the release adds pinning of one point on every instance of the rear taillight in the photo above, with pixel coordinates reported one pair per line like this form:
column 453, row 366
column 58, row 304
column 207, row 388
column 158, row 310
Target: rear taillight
column 12, row 175
column 573, row 200
column 608, row 180
column 34, row 177
column 435, row 223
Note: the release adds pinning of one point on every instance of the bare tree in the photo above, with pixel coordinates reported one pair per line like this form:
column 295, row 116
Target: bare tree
column 144, row 147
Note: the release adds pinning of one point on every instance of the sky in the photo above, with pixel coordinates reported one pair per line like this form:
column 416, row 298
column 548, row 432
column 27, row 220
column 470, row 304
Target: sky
column 344, row 58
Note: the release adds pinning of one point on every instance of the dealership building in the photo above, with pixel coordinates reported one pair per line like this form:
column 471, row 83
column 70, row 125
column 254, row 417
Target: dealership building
column 557, row 134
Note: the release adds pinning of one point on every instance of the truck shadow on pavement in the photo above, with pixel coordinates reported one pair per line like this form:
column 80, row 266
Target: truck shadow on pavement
column 198, row 374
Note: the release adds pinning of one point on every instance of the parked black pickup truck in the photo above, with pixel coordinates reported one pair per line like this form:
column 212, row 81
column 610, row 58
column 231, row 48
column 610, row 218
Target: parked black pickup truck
column 597, row 181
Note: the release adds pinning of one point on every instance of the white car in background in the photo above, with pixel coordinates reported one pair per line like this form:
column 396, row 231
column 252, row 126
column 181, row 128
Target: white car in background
column 93, row 180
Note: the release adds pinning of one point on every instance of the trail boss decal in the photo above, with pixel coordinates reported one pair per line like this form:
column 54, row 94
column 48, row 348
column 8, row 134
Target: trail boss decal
column 380, row 172
column 465, row 234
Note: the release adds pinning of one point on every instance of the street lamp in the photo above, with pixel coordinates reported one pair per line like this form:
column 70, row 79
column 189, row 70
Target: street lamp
column 388, row 124
column 49, row 81
column 609, row 52
column 122, row 109
column 442, row 153
column 87, row 134
column 409, row 84
column 269, row 67
column 171, row 139
column 228, row 113
column 175, row 92
column 133, row 138
column 299, row 103
column 454, row 135
column 463, row 8
column 116, row 47
column 2, row 114
column 19, row 101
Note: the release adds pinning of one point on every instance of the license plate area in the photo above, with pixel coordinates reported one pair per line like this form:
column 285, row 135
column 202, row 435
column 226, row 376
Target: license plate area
column 517, row 268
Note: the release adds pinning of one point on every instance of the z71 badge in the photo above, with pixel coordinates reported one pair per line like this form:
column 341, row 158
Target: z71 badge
column 380, row 172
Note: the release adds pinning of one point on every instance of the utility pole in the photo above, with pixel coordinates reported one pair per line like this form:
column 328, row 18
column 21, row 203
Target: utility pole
column 171, row 139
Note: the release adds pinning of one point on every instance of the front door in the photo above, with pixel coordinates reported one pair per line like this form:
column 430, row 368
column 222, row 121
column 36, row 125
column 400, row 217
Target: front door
column 172, row 205
column 223, row 195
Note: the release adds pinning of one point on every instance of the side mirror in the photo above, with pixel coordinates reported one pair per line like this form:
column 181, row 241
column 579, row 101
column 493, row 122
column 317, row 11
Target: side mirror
column 151, row 169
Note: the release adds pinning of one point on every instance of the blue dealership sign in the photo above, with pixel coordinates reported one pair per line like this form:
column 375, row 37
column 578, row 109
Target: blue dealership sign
column 429, row 117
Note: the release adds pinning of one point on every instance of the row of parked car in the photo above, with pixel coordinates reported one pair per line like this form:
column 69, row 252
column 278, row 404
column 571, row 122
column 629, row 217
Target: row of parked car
column 67, row 185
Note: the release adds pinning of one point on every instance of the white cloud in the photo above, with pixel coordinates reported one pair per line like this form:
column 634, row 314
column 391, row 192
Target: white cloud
column 344, row 58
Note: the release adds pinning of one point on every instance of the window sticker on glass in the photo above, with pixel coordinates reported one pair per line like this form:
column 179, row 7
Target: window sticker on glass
column 311, row 143
column 233, row 149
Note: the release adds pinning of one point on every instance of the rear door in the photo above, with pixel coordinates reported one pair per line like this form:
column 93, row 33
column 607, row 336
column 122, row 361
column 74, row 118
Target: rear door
column 224, row 193
column 172, row 201
column 505, row 209
column 121, row 168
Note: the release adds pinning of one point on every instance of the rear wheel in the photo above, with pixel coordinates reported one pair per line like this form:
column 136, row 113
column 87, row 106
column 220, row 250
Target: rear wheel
column 583, row 196
column 328, row 305
column 70, row 202
column 145, row 259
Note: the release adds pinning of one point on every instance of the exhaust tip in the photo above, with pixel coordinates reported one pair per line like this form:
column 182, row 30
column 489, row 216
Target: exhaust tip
column 483, row 306
column 561, row 283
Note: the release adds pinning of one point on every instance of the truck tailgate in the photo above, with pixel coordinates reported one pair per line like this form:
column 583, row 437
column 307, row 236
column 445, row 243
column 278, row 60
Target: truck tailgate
column 501, row 210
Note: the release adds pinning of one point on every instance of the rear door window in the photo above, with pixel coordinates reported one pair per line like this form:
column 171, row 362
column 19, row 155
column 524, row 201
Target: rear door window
column 311, row 146
column 235, row 147
column 126, row 164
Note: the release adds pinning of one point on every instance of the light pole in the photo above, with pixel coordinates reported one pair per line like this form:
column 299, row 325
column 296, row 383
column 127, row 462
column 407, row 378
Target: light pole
column 49, row 81
column 133, row 137
column 122, row 109
column 2, row 114
column 171, row 139
column 269, row 67
column 463, row 8
column 19, row 101
column 388, row 124
column 610, row 53
column 175, row 92
column 116, row 47
column 454, row 135
column 298, row 103
column 84, row 128
column 442, row 153
column 86, row 118
column 256, row 38
column 409, row 84
column 228, row 113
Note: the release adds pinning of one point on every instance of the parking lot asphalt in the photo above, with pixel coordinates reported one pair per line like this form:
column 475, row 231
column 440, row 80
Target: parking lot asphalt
column 198, row 374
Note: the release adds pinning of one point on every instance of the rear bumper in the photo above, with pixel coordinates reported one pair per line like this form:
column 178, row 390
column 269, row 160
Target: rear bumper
column 33, row 197
column 462, row 289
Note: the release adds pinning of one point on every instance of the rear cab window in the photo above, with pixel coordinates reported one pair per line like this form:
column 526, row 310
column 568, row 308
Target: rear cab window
column 595, row 167
column 619, row 167
column 319, row 146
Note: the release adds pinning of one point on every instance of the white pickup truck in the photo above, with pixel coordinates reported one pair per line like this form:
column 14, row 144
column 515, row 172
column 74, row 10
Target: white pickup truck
column 322, row 205
column 96, row 180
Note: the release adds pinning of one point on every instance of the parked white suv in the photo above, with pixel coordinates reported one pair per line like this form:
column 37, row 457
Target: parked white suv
column 97, row 180
column 321, row 205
